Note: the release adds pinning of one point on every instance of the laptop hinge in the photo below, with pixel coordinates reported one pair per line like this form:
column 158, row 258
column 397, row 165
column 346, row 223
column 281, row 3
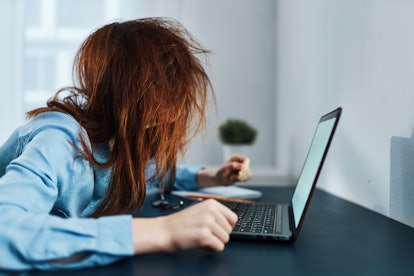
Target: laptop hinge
column 292, row 221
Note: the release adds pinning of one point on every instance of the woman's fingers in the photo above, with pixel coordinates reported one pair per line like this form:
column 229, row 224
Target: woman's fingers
column 207, row 224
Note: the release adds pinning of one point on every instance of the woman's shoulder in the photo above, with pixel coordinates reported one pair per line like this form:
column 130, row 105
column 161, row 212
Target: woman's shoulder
column 51, row 127
column 52, row 121
column 55, row 118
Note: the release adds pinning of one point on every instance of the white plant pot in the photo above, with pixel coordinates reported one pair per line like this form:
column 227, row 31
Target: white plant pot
column 229, row 150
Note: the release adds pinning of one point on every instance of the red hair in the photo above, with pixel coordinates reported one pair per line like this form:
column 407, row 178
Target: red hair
column 143, row 90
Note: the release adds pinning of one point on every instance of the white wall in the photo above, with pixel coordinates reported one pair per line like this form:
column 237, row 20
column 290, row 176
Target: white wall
column 358, row 54
column 10, row 66
column 242, row 70
column 242, row 67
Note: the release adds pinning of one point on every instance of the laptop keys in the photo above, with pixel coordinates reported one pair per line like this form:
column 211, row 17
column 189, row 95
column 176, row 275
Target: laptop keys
column 257, row 218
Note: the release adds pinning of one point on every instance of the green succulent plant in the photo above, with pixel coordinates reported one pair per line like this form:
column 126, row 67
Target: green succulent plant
column 235, row 131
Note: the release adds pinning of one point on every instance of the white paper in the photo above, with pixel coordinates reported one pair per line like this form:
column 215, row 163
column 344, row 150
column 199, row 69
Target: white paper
column 223, row 191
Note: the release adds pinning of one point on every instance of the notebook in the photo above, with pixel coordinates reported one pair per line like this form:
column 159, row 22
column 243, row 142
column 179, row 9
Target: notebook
column 282, row 222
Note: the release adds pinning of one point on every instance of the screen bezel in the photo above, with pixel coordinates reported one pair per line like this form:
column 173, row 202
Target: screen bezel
column 333, row 114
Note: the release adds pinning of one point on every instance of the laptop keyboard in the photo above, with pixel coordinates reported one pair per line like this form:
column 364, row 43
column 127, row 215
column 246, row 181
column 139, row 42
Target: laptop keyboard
column 265, row 218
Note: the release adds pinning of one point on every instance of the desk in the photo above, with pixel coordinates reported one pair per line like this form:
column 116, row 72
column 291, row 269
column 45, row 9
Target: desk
column 337, row 238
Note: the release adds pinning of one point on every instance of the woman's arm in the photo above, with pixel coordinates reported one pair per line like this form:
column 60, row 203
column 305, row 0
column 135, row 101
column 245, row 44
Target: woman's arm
column 32, row 238
column 207, row 224
column 236, row 169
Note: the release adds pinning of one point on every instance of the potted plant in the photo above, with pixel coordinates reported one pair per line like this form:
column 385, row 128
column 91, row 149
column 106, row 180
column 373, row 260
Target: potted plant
column 236, row 135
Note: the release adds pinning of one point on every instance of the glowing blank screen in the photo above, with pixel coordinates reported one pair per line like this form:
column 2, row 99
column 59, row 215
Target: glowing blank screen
column 311, row 167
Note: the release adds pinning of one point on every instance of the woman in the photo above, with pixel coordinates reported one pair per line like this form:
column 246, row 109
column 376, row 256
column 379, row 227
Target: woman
column 73, row 175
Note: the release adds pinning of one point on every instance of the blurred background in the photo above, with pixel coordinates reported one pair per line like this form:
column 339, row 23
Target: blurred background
column 277, row 64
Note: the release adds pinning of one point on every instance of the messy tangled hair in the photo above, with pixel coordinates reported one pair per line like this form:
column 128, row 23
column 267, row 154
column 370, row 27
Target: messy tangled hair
column 142, row 90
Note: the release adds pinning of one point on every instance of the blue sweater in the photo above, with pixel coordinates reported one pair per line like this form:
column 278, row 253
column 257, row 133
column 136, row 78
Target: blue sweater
column 46, row 194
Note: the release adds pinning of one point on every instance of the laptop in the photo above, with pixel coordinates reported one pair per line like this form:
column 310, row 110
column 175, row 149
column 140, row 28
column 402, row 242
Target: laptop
column 282, row 222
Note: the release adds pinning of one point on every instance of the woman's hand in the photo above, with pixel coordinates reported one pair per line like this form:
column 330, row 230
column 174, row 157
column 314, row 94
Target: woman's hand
column 207, row 224
column 236, row 169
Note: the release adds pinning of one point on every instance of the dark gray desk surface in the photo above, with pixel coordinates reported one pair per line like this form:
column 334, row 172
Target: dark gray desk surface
column 337, row 238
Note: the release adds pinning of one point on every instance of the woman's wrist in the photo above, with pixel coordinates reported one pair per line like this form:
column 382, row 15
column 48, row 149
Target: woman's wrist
column 149, row 235
column 207, row 178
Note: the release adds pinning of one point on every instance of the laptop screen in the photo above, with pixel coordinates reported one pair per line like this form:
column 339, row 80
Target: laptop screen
column 313, row 163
